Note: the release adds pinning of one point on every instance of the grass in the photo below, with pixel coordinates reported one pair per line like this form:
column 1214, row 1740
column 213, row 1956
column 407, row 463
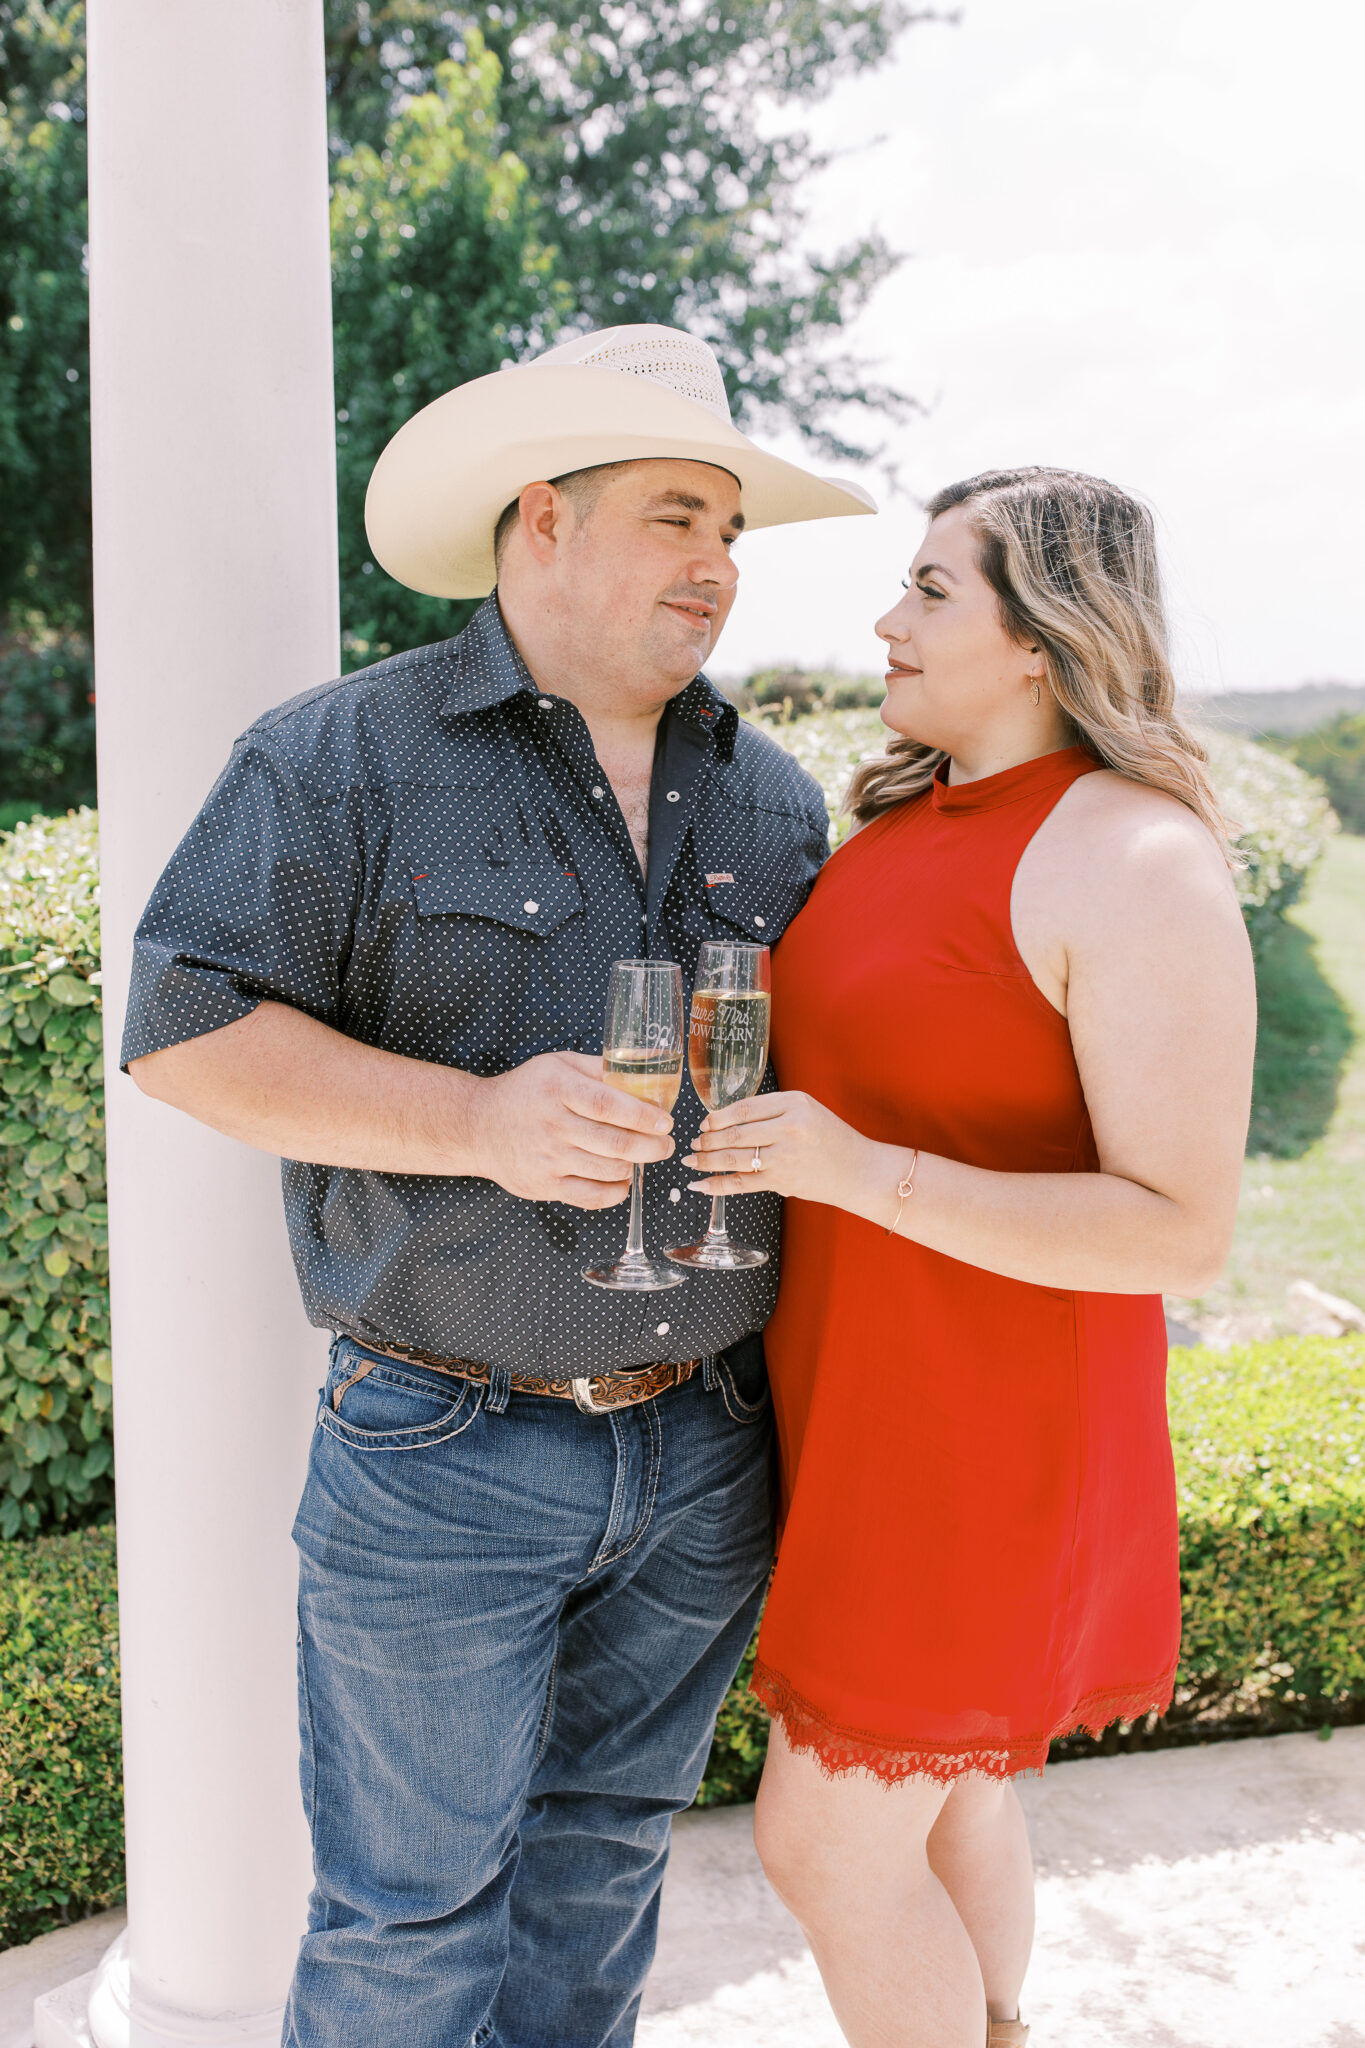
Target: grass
column 1302, row 1213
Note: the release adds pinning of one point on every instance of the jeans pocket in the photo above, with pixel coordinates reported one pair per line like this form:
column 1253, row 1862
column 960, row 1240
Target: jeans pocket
column 384, row 1407
column 743, row 1378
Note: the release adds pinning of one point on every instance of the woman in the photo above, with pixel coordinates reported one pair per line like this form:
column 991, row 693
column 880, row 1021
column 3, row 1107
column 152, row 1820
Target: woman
column 1016, row 1022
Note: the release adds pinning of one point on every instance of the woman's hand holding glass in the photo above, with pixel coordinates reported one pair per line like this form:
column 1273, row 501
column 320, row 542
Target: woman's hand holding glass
column 801, row 1148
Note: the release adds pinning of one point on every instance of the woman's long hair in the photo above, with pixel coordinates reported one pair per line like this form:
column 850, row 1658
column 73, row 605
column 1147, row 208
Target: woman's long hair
column 1073, row 563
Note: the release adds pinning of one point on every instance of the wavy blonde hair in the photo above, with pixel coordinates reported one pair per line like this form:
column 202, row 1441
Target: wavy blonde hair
column 1073, row 563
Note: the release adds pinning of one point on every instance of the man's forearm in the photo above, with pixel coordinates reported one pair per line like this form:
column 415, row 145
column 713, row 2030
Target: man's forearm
column 283, row 1082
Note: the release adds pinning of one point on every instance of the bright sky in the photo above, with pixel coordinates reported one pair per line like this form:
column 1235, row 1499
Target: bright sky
column 1136, row 232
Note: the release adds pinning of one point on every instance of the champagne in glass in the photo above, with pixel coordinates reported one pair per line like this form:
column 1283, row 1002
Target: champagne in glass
column 642, row 1052
column 727, row 1054
column 650, row 1076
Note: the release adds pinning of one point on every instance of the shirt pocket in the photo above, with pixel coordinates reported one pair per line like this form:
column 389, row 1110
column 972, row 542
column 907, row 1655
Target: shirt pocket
column 755, row 874
column 503, row 963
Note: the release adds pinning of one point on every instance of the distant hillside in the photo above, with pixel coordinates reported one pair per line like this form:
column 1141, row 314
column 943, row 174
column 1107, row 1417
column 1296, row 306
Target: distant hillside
column 1275, row 711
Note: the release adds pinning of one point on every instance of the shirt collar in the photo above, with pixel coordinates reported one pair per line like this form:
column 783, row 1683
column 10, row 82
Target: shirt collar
column 702, row 706
column 488, row 670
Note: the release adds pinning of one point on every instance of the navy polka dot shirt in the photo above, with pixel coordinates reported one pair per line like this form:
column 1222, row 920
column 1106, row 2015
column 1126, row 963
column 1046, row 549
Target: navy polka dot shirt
column 428, row 856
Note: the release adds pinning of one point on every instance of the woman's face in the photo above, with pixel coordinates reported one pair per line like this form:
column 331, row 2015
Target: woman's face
column 954, row 674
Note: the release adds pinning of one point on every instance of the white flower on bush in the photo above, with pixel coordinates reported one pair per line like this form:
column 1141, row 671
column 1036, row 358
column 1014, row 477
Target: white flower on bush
column 1281, row 816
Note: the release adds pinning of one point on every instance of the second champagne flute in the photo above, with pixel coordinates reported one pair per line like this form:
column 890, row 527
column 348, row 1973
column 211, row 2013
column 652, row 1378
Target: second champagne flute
column 727, row 1053
column 642, row 1052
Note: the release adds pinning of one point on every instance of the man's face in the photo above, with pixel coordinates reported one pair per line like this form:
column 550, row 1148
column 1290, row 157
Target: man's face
column 644, row 571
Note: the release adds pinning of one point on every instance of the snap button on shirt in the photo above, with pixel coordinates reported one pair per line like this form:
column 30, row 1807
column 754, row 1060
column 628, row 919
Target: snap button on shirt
column 411, row 857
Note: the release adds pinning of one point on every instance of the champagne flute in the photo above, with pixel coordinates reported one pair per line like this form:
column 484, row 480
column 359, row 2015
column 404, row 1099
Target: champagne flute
column 642, row 1052
column 727, row 1052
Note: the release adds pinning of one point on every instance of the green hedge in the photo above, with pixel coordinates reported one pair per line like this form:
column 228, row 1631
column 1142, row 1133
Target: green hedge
column 61, row 1796
column 1270, row 1444
column 1270, row 1457
column 1270, row 1453
column 55, row 1449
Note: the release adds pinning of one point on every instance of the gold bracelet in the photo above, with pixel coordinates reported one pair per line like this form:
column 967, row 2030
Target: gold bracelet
column 905, row 1187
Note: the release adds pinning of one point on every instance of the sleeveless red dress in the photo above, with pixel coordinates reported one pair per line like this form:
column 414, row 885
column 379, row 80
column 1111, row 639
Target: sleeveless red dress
column 979, row 1543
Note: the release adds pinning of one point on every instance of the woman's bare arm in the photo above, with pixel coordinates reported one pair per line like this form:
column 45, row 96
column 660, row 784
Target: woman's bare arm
column 1143, row 942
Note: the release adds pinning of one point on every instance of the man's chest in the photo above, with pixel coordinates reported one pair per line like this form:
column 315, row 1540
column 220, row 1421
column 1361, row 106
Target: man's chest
column 490, row 910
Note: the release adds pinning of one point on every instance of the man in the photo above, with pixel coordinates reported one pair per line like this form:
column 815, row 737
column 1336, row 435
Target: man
column 536, row 1527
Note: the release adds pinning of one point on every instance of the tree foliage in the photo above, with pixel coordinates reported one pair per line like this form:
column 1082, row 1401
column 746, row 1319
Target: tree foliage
column 511, row 174
column 641, row 126
column 44, row 348
column 47, row 726
column 1336, row 752
column 438, row 277
column 500, row 173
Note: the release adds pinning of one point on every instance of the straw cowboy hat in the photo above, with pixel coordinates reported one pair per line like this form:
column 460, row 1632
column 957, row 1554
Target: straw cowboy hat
column 624, row 394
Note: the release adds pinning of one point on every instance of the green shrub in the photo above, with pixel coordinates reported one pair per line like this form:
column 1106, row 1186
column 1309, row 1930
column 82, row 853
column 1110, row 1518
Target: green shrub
column 55, row 1443
column 785, row 694
column 61, row 1795
column 1270, row 1447
column 1336, row 752
column 1270, row 1461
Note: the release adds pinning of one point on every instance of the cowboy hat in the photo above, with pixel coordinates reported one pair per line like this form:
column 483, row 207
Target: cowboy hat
column 624, row 394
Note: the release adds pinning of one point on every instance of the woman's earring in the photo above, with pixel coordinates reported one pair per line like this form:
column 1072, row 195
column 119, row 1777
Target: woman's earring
column 1037, row 694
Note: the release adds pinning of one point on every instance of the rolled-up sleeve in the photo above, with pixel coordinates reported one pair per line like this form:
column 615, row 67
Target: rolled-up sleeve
column 254, row 905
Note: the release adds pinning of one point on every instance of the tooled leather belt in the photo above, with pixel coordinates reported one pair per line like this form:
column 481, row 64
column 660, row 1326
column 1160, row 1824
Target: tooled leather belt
column 595, row 1396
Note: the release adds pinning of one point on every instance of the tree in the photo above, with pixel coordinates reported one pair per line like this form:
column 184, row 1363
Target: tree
column 44, row 349
column 438, row 277
column 501, row 170
column 640, row 127
column 1336, row 752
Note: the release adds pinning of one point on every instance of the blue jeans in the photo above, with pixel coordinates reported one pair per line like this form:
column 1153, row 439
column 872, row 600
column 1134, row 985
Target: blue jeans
column 515, row 1630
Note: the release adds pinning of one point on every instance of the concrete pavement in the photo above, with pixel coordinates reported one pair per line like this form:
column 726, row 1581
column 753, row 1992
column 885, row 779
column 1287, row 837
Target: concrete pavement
column 1198, row 1898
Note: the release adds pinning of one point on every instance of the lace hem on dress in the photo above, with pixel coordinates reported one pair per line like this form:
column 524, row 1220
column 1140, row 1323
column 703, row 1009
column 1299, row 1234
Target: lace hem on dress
column 837, row 1750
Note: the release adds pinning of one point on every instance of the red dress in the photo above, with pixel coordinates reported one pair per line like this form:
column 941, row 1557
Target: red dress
column 979, row 1542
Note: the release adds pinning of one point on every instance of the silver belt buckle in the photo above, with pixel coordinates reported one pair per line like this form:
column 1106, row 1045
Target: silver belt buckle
column 582, row 1390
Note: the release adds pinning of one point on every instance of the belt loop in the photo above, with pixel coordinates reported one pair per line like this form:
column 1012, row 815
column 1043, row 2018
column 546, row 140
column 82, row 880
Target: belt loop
column 710, row 1372
column 499, row 1390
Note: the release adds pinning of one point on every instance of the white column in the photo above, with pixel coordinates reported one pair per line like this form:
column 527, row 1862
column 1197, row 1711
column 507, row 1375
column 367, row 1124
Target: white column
column 215, row 597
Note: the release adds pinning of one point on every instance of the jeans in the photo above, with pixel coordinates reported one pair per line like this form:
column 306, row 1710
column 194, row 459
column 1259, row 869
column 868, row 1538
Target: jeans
column 515, row 1630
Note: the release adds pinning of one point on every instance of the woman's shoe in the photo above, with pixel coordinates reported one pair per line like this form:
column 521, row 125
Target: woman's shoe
column 1006, row 2034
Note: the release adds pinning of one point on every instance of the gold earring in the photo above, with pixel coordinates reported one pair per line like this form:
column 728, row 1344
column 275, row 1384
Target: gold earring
column 1037, row 694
